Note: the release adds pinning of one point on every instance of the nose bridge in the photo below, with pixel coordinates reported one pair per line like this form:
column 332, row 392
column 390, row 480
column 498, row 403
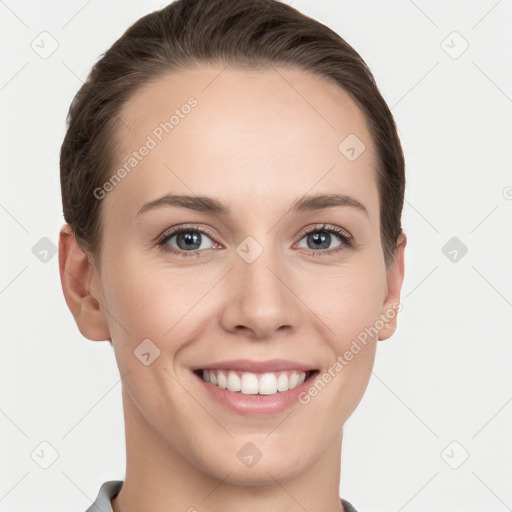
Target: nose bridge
column 259, row 297
column 257, row 264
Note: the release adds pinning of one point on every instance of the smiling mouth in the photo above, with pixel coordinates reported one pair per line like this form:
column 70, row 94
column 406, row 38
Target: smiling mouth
column 249, row 383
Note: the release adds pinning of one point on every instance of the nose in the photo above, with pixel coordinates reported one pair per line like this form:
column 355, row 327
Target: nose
column 260, row 299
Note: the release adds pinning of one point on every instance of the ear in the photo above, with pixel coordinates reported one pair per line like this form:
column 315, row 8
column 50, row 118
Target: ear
column 76, row 273
column 395, row 278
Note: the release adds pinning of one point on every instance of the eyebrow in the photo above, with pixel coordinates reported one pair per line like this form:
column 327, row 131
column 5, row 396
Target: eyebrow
column 214, row 206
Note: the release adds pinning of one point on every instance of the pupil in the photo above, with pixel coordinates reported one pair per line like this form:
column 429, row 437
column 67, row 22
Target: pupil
column 321, row 238
column 191, row 241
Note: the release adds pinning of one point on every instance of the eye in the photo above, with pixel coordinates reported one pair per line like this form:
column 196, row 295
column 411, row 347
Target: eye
column 190, row 241
column 193, row 241
column 320, row 237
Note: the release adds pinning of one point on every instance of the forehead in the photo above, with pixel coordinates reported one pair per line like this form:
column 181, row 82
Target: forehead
column 278, row 129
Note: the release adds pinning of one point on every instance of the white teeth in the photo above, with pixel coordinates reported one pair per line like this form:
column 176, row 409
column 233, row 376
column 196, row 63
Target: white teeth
column 293, row 380
column 268, row 384
column 233, row 382
column 282, row 382
column 251, row 384
column 222, row 382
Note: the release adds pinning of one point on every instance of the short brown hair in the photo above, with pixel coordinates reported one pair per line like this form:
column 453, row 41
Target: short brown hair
column 246, row 33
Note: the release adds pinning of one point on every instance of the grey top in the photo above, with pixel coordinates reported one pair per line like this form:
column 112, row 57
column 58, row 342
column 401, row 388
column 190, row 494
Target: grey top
column 110, row 490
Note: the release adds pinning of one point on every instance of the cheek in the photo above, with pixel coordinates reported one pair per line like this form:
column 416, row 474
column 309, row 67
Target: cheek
column 148, row 304
column 155, row 302
column 350, row 302
column 141, row 295
column 350, row 309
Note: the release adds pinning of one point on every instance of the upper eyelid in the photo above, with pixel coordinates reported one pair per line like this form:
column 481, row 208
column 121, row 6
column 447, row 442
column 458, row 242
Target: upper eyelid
column 338, row 230
column 175, row 230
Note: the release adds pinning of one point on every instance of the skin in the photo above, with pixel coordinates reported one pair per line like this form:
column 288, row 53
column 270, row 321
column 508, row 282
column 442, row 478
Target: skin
column 254, row 143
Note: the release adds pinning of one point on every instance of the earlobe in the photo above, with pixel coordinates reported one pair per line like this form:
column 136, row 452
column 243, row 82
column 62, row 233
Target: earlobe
column 395, row 277
column 76, row 272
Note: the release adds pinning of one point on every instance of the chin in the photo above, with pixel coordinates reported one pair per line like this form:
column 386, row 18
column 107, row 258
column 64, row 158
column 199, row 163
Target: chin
column 264, row 471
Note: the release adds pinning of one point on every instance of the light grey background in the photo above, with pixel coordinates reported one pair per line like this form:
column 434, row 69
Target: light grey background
column 442, row 386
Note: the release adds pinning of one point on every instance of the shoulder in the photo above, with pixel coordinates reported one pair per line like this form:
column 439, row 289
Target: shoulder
column 108, row 491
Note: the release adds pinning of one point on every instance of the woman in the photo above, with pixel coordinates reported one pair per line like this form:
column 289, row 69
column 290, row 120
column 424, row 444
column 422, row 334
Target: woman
column 232, row 184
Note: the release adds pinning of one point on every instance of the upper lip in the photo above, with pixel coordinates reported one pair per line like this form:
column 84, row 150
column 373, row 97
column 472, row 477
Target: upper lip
column 248, row 365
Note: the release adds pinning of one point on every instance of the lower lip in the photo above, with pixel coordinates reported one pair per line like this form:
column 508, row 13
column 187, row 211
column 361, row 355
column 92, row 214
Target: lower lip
column 257, row 405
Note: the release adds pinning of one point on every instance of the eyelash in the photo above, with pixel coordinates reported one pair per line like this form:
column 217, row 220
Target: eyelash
column 345, row 237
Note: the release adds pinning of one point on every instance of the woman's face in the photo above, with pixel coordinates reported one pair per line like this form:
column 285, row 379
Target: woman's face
column 246, row 284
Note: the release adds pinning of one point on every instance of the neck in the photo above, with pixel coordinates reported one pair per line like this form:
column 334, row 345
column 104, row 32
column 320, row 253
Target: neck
column 160, row 477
